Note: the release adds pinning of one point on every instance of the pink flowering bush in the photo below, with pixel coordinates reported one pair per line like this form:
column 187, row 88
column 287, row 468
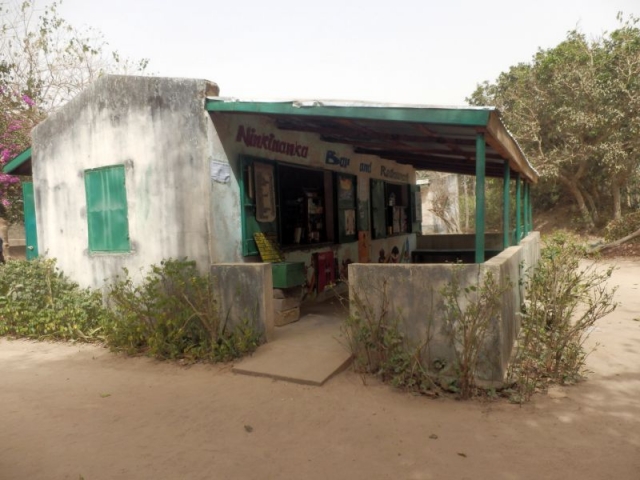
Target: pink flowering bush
column 17, row 116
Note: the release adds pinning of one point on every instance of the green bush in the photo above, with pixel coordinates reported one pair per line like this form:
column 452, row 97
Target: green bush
column 468, row 312
column 564, row 300
column 38, row 301
column 172, row 314
column 379, row 347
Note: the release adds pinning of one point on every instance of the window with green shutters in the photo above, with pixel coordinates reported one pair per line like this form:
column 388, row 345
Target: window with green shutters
column 107, row 216
column 395, row 209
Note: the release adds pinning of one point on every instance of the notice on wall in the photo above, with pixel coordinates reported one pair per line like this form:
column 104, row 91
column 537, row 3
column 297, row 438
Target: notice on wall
column 220, row 172
column 363, row 247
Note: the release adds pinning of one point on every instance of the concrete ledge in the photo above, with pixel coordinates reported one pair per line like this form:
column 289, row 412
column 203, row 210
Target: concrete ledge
column 244, row 292
column 412, row 293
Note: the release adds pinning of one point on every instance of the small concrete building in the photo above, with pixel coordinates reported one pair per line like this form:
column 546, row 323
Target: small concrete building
column 135, row 170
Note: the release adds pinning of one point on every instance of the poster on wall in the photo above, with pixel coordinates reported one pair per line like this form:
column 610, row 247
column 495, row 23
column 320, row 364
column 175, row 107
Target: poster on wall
column 363, row 247
column 350, row 222
column 265, row 192
column 346, row 191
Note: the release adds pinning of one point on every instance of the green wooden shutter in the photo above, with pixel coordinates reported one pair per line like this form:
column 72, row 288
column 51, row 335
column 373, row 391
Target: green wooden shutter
column 415, row 201
column 31, row 234
column 107, row 211
column 378, row 209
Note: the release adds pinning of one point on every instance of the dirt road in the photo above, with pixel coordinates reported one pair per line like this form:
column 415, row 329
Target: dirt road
column 72, row 412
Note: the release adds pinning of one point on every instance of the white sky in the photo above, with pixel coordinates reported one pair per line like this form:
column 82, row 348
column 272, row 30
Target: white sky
column 407, row 51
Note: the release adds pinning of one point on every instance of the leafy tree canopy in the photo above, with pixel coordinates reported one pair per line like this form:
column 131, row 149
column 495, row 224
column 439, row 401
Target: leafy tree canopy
column 575, row 109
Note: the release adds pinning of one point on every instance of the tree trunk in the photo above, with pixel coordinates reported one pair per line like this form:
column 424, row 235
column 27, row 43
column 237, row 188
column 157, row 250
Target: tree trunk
column 579, row 198
column 617, row 242
column 592, row 205
column 617, row 203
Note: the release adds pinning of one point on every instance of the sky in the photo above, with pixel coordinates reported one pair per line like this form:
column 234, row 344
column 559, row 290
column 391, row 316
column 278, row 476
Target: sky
column 398, row 51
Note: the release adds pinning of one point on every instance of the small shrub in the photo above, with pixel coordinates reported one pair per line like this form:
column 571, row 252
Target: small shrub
column 617, row 229
column 379, row 347
column 468, row 314
column 38, row 301
column 564, row 300
column 172, row 314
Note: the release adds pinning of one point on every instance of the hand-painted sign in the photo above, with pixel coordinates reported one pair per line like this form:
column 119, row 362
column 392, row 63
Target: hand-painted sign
column 365, row 167
column 393, row 174
column 332, row 159
column 269, row 142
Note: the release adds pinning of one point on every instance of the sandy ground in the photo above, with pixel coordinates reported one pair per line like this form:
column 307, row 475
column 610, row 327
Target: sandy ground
column 72, row 412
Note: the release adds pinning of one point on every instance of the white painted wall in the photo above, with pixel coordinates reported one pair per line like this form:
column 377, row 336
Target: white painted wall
column 159, row 130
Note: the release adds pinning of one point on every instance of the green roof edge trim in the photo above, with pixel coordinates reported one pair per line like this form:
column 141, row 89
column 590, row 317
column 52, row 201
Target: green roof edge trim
column 433, row 115
column 16, row 162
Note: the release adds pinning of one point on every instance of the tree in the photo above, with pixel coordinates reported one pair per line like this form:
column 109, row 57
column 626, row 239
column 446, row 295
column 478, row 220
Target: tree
column 575, row 110
column 50, row 60
column 44, row 62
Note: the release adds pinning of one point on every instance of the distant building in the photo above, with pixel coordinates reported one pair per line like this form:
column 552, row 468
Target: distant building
column 440, row 203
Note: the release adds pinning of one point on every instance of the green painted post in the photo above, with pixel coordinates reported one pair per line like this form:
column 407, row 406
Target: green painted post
column 506, row 241
column 525, row 209
column 530, row 211
column 529, row 225
column 518, row 209
column 480, row 196
column 30, row 230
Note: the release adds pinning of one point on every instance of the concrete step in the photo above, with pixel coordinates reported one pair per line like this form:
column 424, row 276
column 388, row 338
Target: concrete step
column 309, row 351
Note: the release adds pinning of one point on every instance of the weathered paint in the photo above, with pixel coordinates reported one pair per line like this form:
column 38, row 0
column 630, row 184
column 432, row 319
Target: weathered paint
column 244, row 295
column 158, row 130
column 181, row 174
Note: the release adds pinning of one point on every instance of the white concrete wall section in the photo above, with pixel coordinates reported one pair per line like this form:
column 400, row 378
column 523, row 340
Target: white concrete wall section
column 245, row 295
column 413, row 295
column 158, row 129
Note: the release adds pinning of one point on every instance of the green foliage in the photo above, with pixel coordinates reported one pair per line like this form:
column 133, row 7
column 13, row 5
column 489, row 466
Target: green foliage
column 468, row 314
column 617, row 229
column 172, row 314
column 564, row 300
column 379, row 347
column 573, row 109
column 38, row 301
